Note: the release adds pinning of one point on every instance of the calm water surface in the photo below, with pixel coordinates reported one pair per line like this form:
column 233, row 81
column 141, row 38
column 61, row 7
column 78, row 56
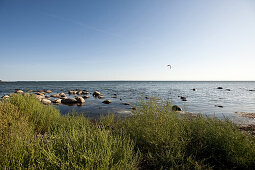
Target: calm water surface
column 238, row 99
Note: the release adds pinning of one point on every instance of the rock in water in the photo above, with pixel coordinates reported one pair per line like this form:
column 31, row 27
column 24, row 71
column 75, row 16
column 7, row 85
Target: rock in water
column 80, row 99
column 85, row 97
column 62, row 94
column 56, row 100
column 46, row 101
column 107, row 101
column 96, row 94
column 219, row 87
column 55, row 95
column 19, row 91
column 176, row 108
column 69, row 101
column 5, row 97
column 48, row 91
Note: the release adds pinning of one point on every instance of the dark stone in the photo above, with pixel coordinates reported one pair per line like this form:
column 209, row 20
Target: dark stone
column 69, row 101
column 176, row 108
column 219, row 87
column 107, row 101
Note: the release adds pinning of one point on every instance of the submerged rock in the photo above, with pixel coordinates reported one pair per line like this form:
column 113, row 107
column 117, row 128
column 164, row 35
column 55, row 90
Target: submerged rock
column 107, row 101
column 176, row 108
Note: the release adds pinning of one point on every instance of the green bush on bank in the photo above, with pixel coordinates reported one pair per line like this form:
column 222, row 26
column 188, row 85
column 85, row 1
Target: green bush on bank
column 35, row 136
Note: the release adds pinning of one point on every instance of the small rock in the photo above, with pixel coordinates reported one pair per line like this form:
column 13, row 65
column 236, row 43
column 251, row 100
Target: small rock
column 126, row 103
column 80, row 99
column 19, row 91
column 46, row 101
column 228, row 90
column 85, row 92
column 85, row 97
column 183, row 98
column 194, row 89
column 39, row 93
column 101, row 97
column 62, row 94
column 176, row 108
column 47, row 97
column 133, row 108
column 220, row 106
column 56, row 100
column 251, row 90
column 107, row 101
column 5, row 97
column 72, row 92
column 96, row 94
column 55, row 95
column 80, row 92
column 114, row 96
column 48, row 91
column 219, row 87
column 39, row 97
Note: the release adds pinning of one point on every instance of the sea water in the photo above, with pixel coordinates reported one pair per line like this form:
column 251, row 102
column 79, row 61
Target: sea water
column 236, row 96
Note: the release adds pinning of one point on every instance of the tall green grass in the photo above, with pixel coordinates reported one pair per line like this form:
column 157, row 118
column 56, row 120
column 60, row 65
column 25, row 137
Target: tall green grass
column 168, row 140
column 35, row 136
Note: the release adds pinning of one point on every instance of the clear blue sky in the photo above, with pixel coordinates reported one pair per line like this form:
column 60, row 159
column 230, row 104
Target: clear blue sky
column 127, row 39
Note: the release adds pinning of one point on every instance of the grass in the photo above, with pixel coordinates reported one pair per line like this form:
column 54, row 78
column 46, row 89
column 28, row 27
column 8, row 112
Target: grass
column 35, row 136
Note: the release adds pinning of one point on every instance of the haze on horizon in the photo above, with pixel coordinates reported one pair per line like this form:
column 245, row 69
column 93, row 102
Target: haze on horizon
column 127, row 40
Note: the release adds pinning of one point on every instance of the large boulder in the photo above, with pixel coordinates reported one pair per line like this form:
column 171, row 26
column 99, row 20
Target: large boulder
column 107, row 101
column 69, row 101
column 46, row 101
column 176, row 108
column 80, row 99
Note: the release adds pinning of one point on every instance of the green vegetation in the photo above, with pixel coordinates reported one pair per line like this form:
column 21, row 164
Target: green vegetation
column 35, row 136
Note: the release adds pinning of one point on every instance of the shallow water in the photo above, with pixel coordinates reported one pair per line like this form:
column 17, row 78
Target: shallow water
column 238, row 99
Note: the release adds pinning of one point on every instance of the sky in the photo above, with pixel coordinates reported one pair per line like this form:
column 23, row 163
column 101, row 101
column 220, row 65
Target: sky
column 127, row 40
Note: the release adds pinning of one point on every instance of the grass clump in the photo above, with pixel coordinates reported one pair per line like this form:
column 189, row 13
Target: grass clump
column 168, row 140
column 35, row 136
